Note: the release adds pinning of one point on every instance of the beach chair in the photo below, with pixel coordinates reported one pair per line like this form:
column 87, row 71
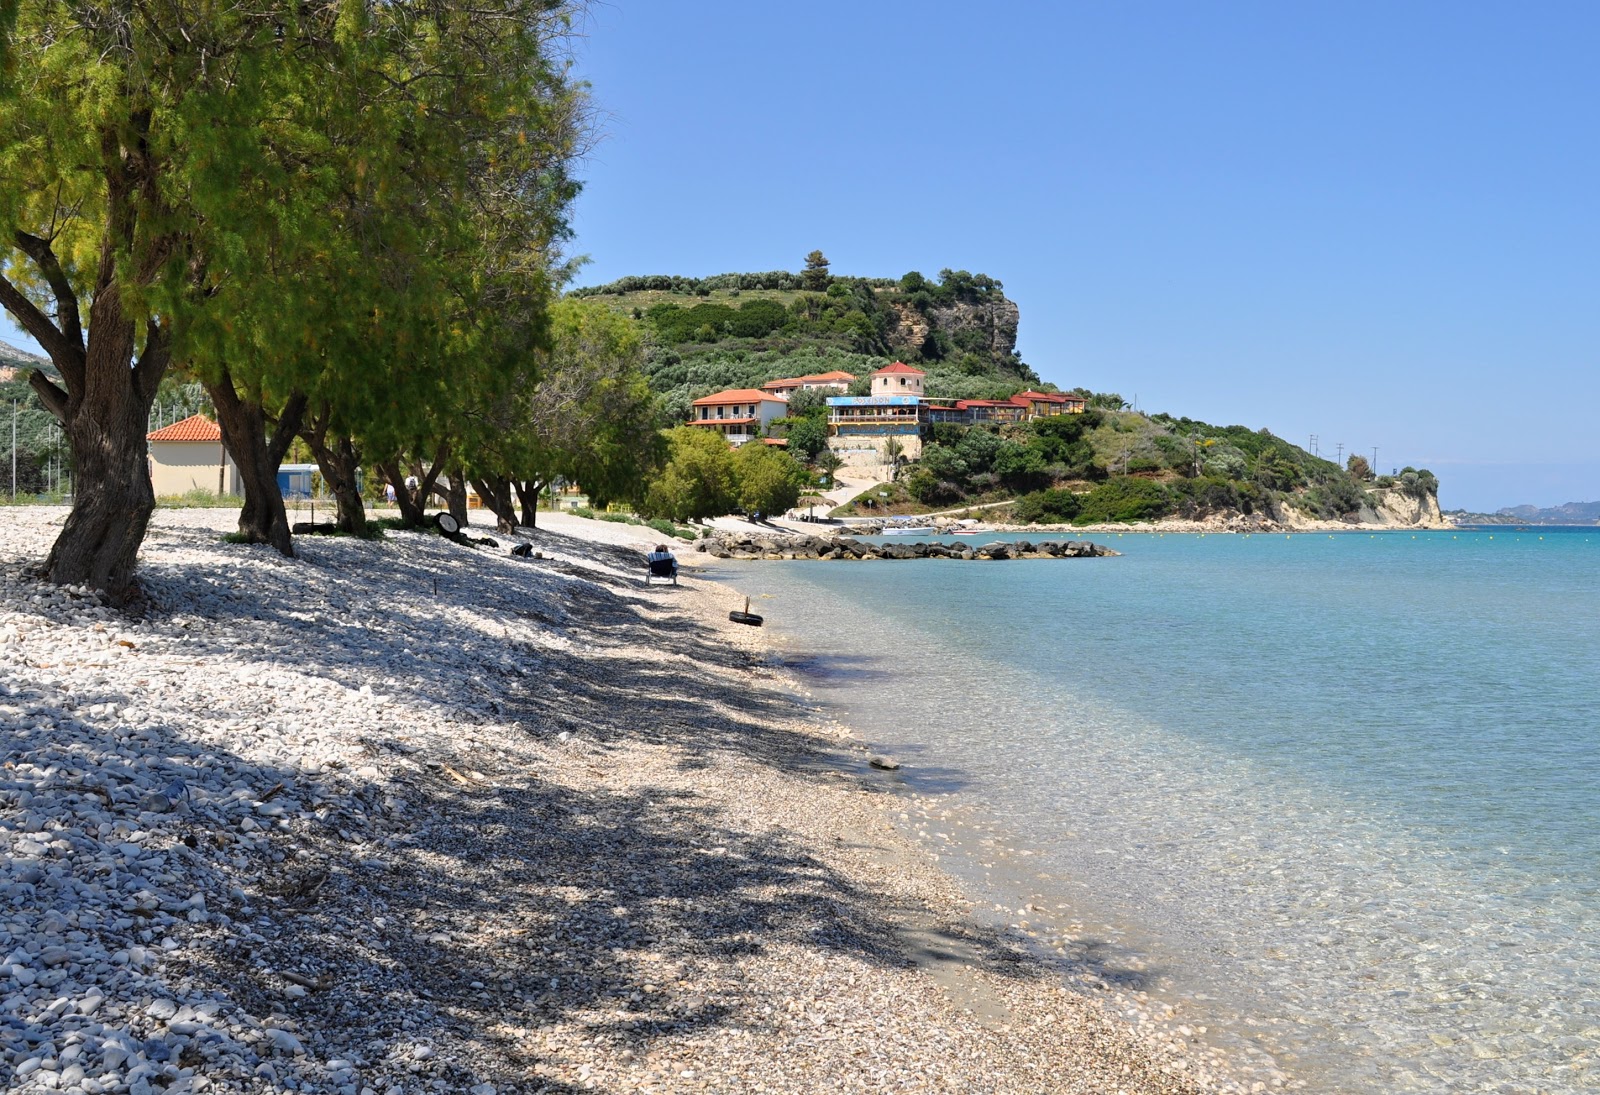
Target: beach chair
column 661, row 568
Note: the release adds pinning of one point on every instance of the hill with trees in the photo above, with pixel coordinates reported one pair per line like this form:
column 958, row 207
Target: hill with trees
column 1112, row 464
column 740, row 330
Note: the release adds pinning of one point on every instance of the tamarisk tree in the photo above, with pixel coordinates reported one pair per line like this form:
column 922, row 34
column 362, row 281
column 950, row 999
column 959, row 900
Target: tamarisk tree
column 580, row 410
column 278, row 196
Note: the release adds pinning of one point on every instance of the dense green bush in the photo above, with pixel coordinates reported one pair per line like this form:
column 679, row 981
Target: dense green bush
column 1207, row 495
column 1418, row 482
column 1047, row 507
column 1124, row 499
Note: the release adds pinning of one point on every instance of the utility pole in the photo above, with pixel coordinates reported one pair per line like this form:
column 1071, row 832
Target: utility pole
column 13, row 450
column 1374, row 460
column 1313, row 446
column 1339, row 459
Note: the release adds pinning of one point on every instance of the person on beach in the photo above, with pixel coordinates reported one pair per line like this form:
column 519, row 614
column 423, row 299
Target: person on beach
column 662, row 555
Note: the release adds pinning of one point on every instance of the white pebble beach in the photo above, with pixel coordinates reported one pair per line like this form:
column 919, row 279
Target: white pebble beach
column 407, row 816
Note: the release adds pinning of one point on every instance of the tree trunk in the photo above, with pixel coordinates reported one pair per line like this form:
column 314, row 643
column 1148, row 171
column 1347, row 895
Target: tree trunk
column 414, row 503
column 262, row 519
column 456, row 496
column 411, row 514
column 112, row 497
column 339, row 462
column 496, row 494
column 528, row 495
column 104, row 410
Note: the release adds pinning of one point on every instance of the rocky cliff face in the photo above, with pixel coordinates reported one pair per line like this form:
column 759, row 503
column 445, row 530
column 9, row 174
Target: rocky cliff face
column 994, row 324
column 1403, row 510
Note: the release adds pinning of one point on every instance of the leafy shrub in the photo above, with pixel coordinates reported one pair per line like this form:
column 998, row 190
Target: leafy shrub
column 1207, row 495
column 1418, row 482
column 1125, row 499
column 1176, row 453
column 1047, row 507
column 584, row 511
column 926, row 487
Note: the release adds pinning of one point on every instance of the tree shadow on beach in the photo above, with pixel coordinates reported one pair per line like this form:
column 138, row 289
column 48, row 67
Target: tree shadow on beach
column 479, row 909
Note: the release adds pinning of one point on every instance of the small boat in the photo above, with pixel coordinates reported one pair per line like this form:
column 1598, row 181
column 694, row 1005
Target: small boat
column 908, row 530
column 967, row 532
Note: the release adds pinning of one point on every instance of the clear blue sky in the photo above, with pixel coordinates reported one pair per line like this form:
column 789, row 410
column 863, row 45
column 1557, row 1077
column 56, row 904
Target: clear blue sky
column 1376, row 223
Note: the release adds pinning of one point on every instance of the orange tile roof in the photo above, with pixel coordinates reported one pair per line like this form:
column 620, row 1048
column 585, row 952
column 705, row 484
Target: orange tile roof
column 197, row 427
column 734, row 395
column 900, row 367
column 836, row 376
column 1047, row 397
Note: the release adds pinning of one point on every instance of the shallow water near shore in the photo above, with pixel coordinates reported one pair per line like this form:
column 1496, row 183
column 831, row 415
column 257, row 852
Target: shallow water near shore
column 1332, row 795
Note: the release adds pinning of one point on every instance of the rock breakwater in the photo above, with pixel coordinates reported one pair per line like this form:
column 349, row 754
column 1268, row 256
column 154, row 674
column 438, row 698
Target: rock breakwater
column 845, row 547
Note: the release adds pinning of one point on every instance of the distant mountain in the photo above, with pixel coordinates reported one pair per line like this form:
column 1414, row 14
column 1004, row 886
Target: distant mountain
column 1572, row 513
column 14, row 358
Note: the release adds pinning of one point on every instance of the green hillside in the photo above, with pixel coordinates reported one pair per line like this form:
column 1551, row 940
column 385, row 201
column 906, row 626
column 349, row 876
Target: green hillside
column 740, row 330
column 1112, row 464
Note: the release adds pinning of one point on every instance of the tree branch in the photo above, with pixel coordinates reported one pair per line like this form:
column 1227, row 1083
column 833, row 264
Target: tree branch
column 288, row 426
column 44, row 257
column 67, row 357
column 53, row 398
column 152, row 364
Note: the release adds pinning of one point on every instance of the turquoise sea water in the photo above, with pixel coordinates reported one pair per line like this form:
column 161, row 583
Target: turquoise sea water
column 1335, row 796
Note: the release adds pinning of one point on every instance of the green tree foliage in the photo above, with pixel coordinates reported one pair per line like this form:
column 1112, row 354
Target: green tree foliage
column 1124, row 499
column 1358, row 467
column 815, row 276
column 1417, row 482
column 808, row 436
column 296, row 193
column 809, row 402
column 710, row 322
column 585, row 414
column 1208, row 495
column 768, row 480
column 1047, row 507
column 846, row 315
column 698, row 480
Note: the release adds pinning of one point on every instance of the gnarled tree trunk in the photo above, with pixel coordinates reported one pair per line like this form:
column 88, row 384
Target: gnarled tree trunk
column 340, row 464
column 528, row 495
column 495, row 491
column 104, row 411
column 413, row 503
column 262, row 519
column 455, row 495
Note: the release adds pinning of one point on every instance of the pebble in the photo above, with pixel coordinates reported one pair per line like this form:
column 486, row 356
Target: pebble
column 184, row 792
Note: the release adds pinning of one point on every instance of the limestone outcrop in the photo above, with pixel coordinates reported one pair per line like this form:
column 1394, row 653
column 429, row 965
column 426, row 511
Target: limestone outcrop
column 996, row 320
column 1403, row 509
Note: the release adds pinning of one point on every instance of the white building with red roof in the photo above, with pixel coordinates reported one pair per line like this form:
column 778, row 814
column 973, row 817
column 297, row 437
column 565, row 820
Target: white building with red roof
column 837, row 380
column 898, row 379
column 1048, row 404
column 189, row 455
column 739, row 414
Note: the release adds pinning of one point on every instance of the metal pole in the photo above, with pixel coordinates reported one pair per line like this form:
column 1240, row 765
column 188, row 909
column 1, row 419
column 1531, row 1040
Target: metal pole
column 13, row 450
